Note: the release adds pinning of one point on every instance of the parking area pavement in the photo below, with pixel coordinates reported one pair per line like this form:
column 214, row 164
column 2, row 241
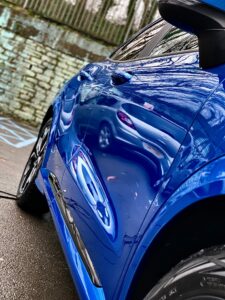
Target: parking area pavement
column 32, row 265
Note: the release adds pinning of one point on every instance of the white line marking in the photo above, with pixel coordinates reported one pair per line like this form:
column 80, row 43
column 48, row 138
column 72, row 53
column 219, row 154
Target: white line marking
column 15, row 135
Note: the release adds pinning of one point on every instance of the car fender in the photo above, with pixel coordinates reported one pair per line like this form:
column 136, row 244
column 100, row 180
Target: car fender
column 207, row 182
column 56, row 108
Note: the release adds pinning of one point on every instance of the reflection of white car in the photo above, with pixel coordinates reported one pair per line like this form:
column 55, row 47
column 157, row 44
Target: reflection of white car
column 132, row 125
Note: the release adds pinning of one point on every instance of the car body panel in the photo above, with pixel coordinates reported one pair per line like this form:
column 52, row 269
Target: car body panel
column 192, row 177
column 207, row 182
column 166, row 143
column 127, row 178
column 85, row 287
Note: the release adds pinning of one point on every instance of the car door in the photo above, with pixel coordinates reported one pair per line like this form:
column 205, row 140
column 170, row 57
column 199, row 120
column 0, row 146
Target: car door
column 69, row 138
column 76, row 108
column 109, row 192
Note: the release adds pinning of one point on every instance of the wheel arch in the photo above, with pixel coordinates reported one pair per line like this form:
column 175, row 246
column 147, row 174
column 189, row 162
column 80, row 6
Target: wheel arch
column 48, row 115
column 190, row 220
column 54, row 113
column 183, row 236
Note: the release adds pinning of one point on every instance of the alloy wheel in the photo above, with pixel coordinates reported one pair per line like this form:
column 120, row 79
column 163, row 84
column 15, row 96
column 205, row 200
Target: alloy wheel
column 35, row 160
column 105, row 137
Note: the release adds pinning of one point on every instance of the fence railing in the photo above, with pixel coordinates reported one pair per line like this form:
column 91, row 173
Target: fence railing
column 111, row 21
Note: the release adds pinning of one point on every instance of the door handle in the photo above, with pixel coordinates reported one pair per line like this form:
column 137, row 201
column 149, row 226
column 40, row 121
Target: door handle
column 85, row 76
column 120, row 77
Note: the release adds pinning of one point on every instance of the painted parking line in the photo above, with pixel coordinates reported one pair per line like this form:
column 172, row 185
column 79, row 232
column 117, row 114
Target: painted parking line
column 15, row 135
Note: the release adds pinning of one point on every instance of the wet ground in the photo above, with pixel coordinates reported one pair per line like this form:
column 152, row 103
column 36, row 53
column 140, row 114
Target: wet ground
column 32, row 265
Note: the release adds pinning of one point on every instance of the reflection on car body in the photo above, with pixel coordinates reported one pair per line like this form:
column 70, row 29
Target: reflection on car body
column 133, row 169
column 112, row 121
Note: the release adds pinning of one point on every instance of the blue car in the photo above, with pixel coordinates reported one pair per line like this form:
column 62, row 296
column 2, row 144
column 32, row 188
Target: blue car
column 130, row 160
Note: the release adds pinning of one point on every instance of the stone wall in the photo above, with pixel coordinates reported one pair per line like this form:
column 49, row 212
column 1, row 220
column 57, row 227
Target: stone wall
column 30, row 76
column 36, row 58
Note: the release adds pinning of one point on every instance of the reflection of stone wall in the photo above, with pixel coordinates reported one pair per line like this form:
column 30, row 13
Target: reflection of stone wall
column 36, row 57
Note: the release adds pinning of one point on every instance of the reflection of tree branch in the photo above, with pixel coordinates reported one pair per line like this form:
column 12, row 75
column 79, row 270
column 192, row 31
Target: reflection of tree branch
column 73, row 2
column 100, row 15
column 118, row 13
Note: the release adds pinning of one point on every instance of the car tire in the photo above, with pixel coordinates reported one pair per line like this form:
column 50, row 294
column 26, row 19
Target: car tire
column 29, row 198
column 200, row 277
column 105, row 137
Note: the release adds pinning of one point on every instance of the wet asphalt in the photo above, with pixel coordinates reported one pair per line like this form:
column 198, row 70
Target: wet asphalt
column 32, row 265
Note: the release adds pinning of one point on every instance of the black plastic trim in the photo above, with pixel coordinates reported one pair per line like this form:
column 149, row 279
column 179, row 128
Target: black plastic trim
column 73, row 230
column 202, row 20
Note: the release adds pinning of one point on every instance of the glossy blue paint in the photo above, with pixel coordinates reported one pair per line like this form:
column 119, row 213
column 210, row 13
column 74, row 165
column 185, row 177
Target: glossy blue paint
column 132, row 144
column 215, row 3
column 207, row 182
column 85, row 287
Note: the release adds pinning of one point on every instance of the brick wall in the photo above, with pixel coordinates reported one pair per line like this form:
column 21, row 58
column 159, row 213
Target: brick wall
column 34, row 65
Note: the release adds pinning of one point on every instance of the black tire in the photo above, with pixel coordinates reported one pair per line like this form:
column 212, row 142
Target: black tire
column 105, row 137
column 29, row 198
column 200, row 277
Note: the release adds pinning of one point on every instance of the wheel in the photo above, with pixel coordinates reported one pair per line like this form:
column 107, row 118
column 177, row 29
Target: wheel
column 29, row 198
column 201, row 277
column 105, row 137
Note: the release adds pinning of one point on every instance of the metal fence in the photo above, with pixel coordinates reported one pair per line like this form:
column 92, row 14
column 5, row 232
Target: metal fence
column 111, row 21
